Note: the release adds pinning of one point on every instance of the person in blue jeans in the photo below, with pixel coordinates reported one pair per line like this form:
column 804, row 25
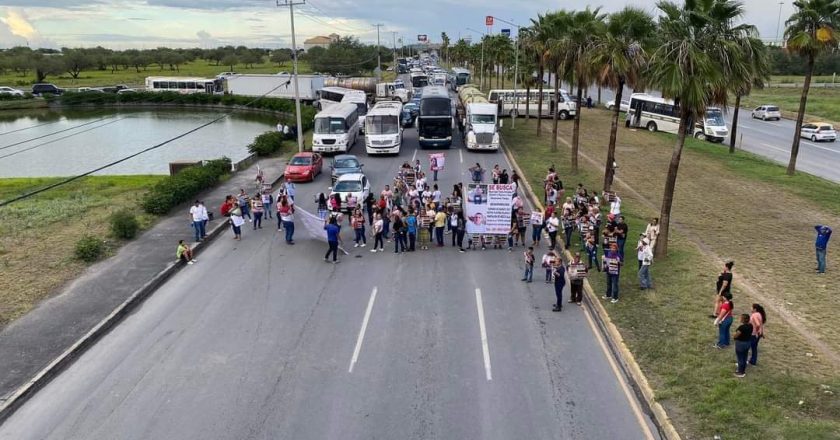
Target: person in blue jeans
column 743, row 334
column 823, row 235
column 529, row 265
column 724, row 321
column 333, row 239
column 612, row 267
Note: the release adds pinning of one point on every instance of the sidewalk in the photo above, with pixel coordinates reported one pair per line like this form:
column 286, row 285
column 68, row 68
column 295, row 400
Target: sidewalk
column 32, row 342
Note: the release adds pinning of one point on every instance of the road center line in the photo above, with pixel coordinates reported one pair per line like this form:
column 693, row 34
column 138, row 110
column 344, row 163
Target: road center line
column 461, row 155
column 484, row 346
column 414, row 156
column 775, row 148
column 362, row 331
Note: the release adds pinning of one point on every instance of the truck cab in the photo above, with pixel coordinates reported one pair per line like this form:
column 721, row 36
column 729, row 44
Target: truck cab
column 481, row 126
column 392, row 91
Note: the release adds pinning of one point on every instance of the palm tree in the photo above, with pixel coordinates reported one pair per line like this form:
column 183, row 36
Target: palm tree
column 538, row 47
column 584, row 28
column 691, row 66
column 556, row 58
column 621, row 56
column 752, row 69
column 810, row 31
column 444, row 46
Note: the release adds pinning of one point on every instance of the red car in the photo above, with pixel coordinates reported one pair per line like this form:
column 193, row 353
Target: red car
column 304, row 167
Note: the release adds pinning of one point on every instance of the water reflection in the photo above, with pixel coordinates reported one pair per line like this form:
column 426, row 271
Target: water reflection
column 49, row 143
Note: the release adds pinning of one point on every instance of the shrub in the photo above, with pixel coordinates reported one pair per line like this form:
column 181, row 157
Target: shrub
column 267, row 143
column 89, row 248
column 184, row 186
column 124, row 224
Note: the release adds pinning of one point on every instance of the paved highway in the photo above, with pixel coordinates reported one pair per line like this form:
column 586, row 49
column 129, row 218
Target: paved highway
column 769, row 139
column 261, row 340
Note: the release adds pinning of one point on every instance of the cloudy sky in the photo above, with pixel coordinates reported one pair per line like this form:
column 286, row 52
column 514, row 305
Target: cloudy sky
column 122, row 24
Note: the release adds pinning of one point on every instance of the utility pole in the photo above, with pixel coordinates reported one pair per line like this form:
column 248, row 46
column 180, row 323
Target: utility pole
column 779, row 24
column 378, row 58
column 394, row 35
column 299, row 129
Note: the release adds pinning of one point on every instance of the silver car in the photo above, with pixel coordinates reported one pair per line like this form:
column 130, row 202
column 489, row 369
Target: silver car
column 818, row 131
column 766, row 112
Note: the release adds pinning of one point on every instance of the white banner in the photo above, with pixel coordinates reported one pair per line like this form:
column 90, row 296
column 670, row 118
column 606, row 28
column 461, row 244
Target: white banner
column 488, row 208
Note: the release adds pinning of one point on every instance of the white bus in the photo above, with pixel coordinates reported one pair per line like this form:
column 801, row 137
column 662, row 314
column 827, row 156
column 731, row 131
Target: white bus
column 565, row 106
column 383, row 134
column 658, row 114
column 330, row 96
column 336, row 129
column 180, row 84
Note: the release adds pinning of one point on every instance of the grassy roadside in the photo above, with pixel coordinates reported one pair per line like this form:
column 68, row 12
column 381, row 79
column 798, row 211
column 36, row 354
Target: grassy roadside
column 667, row 328
column 37, row 237
column 198, row 68
column 823, row 103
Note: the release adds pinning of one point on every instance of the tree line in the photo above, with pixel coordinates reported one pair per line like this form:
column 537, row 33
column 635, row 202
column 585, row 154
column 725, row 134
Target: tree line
column 698, row 53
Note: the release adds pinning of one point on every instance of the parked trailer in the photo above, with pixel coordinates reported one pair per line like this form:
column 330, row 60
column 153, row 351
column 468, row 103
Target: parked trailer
column 274, row 86
column 388, row 91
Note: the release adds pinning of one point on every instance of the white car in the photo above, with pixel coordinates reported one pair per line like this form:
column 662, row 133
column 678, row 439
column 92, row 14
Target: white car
column 625, row 105
column 766, row 112
column 818, row 131
column 352, row 183
column 10, row 91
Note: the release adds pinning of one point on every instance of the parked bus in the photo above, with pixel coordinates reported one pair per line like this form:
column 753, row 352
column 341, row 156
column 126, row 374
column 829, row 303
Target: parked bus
column 383, row 134
column 458, row 77
column 330, row 96
column 336, row 129
column 182, row 84
column 434, row 123
column 658, row 114
column 515, row 104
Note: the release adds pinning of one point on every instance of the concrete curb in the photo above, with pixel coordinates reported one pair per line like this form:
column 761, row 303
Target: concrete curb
column 54, row 368
column 626, row 360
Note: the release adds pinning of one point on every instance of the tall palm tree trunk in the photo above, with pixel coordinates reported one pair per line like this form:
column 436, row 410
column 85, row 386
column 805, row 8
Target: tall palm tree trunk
column 734, row 133
column 540, row 99
column 794, row 149
column 668, row 197
column 527, row 101
column 554, row 106
column 576, row 130
column 609, row 170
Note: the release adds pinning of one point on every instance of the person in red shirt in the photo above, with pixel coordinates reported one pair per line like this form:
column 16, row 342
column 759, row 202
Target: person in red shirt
column 724, row 321
column 226, row 206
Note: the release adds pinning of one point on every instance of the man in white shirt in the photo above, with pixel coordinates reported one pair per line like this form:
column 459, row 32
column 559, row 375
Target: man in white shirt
column 615, row 206
column 198, row 215
column 645, row 255
column 551, row 226
column 290, row 190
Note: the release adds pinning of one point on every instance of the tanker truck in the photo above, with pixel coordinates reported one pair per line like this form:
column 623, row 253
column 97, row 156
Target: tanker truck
column 391, row 91
column 480, row 119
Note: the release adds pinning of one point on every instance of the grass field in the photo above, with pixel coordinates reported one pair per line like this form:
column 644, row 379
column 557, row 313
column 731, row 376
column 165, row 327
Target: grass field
column 823, row 103
column 198, row 68
column 726, row 207
column 799, row 79
column 38, row 236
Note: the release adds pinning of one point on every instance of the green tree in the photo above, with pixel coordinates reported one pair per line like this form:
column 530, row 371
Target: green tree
column 76, row 60
column 810, row 31
column 557, row 54
column 752, row 69
column 620, row 56
column 691, row 66
column 281, row 56
column 444, row 46
column 537, row 44
column 46, row 65
column 230, row 60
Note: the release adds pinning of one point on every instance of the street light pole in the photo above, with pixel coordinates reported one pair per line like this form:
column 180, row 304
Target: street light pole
column 299, row 129
column 779, row 24
column 515, row 72
column 378, row 57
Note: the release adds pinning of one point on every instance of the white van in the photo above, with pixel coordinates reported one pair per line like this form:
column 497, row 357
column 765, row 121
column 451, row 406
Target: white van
column 336, row 129
column 383, row 134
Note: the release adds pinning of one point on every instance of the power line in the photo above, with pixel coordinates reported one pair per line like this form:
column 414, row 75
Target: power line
column 55, row 132
column 153, row 147
column 30, row 127
column 324, row 13
column 61, row 138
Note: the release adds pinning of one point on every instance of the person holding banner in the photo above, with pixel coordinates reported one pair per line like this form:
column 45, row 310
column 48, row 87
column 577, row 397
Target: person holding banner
column 529, row 265
column 552, row 225
column 333, row 239
column 577, row 273
column 536, row 226
column 612, row 266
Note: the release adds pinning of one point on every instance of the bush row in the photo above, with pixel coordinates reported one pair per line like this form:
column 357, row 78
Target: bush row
column 184, row 186
column 6, row 97
column 268, row 143
column 273, row 104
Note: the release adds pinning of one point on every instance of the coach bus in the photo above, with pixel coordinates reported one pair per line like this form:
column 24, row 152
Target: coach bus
column 514, row 104
column 434, row 123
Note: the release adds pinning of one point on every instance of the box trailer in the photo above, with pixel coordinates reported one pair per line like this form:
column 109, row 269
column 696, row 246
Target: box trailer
column 274, row 86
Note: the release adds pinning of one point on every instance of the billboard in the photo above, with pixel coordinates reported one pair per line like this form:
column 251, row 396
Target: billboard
column 506, row 32
column 488, row 20
column 422, row 38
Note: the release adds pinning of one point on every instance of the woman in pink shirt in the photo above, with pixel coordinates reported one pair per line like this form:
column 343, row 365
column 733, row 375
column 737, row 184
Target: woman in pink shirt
column 757, row 318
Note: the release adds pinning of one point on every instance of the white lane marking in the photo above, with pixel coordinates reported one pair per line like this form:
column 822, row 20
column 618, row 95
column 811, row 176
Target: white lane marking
column 811, row 144
column 461, row 155
column 775, row 148
column 634, row 404
column 414, row 156
column 485, row 348
column 362, row 331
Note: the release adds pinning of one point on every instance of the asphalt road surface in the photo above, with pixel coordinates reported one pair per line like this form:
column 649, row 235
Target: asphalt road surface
column 769, row 139
column 262, row 340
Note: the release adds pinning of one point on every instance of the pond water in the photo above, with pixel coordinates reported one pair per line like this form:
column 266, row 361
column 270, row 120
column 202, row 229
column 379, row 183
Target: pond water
column 48, row 143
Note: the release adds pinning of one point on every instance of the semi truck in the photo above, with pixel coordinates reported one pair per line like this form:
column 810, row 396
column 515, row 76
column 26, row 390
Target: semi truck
column 479, row 119
column 274, row 86
column 388, row 91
